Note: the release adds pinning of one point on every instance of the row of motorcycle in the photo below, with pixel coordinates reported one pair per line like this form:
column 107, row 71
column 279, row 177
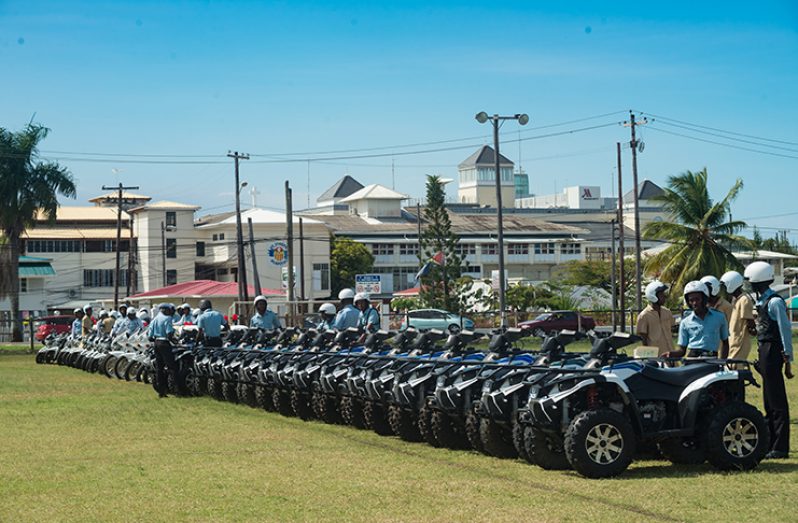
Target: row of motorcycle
column 592, row 412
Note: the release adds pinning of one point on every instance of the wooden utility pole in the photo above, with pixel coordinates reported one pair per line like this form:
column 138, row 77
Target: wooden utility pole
column 120, row 188
column 301, row 261
column 255, row 275
column 243, row 293
column 638, row 263
column 613, row 278
column 289, row 224
column 621, row 252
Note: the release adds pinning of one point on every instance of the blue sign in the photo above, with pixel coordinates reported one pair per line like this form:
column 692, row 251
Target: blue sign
column 278, row 253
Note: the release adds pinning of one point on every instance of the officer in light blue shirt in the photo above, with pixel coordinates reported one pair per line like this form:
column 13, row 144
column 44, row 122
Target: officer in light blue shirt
column 161, row 327
column 369, row 320
column 161, row 331
column 263, row 317
column 348, row 316
column 132, row 324
column 702, row 330
column 327, row 312
column 210, row 325
column 77, row 328
column 185, row 315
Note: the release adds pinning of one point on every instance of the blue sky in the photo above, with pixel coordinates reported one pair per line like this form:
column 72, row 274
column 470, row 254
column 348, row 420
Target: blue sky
column 271, row 78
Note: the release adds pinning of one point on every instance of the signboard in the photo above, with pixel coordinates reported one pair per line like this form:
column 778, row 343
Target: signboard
column 284, row 277
column 368, row 283
column 278, row 253
column 494, row 280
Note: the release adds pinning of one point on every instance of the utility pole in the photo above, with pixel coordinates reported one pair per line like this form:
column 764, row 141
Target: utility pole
column 289, row 224
column 120, row 188
column 613, row 277
column 638, row 268
column 418, row 222
column 242, row 275
column 255, row 275
column 621, row 252
column 131, row 253
column 301, row 260
column 163, row 255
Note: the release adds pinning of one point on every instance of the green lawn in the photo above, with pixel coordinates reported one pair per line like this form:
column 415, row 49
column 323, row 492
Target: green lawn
column 80, row 447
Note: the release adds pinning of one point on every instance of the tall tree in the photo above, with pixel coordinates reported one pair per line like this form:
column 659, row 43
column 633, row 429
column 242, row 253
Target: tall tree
column 699, row 231
column 27, row 186
column 347, row 259
column 437, row 289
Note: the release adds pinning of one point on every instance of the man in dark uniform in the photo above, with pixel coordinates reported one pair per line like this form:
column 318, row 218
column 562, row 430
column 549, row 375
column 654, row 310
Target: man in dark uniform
column 774, row 336
column 161, row 333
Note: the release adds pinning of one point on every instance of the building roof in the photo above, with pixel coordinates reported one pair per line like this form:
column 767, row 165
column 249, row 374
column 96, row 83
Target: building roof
column 83, row 214
column 202, row 289
column 647, row 190
column 166, row 205
column 374, row 191
column 258, row 215
column 74, row 233
column 114, row 195
column 341, row 189
column 485, row 157
column 762, row 254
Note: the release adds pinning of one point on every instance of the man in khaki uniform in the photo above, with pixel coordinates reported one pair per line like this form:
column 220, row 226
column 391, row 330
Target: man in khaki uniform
column 742, row 317
column 654, row 323
column 716, row 301
column 87, row 325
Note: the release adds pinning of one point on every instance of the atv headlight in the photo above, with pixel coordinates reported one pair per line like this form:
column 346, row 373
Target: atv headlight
column 486, row 388
column 440, row 381
column 534, row 391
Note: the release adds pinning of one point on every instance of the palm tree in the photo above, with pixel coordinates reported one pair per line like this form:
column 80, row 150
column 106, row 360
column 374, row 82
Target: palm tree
column 699, row 231
column 27, row 187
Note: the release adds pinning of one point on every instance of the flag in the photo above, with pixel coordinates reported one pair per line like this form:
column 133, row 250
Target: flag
column 424, row 270
column 439, row 258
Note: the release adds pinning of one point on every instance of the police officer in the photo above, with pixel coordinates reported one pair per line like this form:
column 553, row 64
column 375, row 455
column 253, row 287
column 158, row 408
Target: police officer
column 327, row 312
column 123, row 310
column 716, row 301
column 774, row 336
column 369, row 320
column 263, row 317
column 161, row 333
column 106, row 323
column 741, row 324
column 210, row 325
column 185, row 315
column 77, row 327
column 133, row 323
column 654, row 323
column 348, row 315
column 86, row 324
column 701, row 331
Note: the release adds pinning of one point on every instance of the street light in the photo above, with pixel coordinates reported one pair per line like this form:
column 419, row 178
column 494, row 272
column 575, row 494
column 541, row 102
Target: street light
column 523, row 119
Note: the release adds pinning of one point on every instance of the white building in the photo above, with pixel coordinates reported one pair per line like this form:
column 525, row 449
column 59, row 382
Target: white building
column 477, row 178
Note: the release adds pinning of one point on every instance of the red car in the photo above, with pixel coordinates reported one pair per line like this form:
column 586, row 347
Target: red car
column 53, row 325
column 557, row 321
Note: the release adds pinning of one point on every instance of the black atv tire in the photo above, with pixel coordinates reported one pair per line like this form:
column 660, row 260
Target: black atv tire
column 375, row 418
column 425, row 426
column 447, row 431
column 246, row 394
column 496, row 440
column 542, row 450
column 517, row 434
column 229, row 391
column 472, row 431
column 282, row 402
column 352, row 412
column 215, row 388
column 191, row 382
column 608, row 427
column 404, row 424
column 683, row 451
column 263, row 396
column 40, row 358
column 737, row 437
column 325, row 407
column 300, row 404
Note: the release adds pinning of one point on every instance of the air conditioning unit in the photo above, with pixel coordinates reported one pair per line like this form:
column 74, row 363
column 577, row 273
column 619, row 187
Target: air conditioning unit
column 72, row 293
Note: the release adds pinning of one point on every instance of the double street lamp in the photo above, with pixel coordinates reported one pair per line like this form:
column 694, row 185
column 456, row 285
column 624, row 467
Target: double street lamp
column 523, row 119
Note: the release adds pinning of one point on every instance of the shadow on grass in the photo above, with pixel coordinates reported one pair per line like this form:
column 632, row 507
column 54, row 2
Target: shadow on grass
column 665, row 469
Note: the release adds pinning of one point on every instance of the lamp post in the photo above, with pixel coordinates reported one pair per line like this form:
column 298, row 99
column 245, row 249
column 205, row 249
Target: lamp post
column 164, row 228
column 523, row 119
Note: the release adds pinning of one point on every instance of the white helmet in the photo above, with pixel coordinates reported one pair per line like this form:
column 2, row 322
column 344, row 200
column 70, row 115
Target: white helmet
column 346, row 294
column 695, row 286
column 260, row 298
column 87, row 307
column 361, row 296
column 653, row 288
column 327, row 308
column 713, row 283
column 196, row 312
column 77, row 311
column 143, row 314
column 103, row 313
column 759, row 272
column 185, row 306
column 131, row 310
column 115, row 315
column 732, row 280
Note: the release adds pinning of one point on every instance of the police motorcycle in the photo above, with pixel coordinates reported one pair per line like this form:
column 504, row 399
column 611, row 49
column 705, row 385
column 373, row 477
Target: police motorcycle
column 325, row 398
column 354, row 389
column 248, row 373
column 413, row 384
column 221, row 357
column 601, row 413
column 306, row 370
column 379, row 383
column 284, row 365
column 53, row 343
column 231, row 369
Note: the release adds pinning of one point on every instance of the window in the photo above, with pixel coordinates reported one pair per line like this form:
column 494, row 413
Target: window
column 171, row 219
column 570, row 248
column 215, row 237
column 102, row 277
column 200, row 249
column 23, row 285
column 321, row 276
column 221, row 236
column 171, row 276
column 218, row 237
column 464, row 249
column 171, row 248
column 53, row 246
column 382, row 249
column 408, row 249
column 544, row 248
column 518, row 248
column 222, row 272
column 106, row 246
column 488, row 249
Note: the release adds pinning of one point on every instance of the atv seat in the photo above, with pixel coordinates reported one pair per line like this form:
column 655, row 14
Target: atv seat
column 678, row 376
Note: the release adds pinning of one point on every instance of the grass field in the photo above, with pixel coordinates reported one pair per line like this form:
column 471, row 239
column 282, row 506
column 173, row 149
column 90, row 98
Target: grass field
column 80, row 447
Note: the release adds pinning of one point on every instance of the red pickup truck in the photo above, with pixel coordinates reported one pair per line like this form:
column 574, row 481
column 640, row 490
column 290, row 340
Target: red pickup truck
column 558, row 320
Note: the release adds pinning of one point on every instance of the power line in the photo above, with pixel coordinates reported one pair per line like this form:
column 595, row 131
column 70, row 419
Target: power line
column 688, row 128
column 720, row 130
column 731, row 146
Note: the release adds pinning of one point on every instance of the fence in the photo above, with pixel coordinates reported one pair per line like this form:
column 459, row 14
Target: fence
column 29, row 327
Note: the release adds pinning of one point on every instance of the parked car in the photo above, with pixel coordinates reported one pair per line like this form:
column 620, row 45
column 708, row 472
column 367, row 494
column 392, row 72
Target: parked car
column 423, row 319
column 558, row 320
column 53, row 325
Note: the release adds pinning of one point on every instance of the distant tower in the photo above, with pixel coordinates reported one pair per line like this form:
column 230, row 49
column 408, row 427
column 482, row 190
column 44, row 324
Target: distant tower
column 521, row 184
column 478, row 178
